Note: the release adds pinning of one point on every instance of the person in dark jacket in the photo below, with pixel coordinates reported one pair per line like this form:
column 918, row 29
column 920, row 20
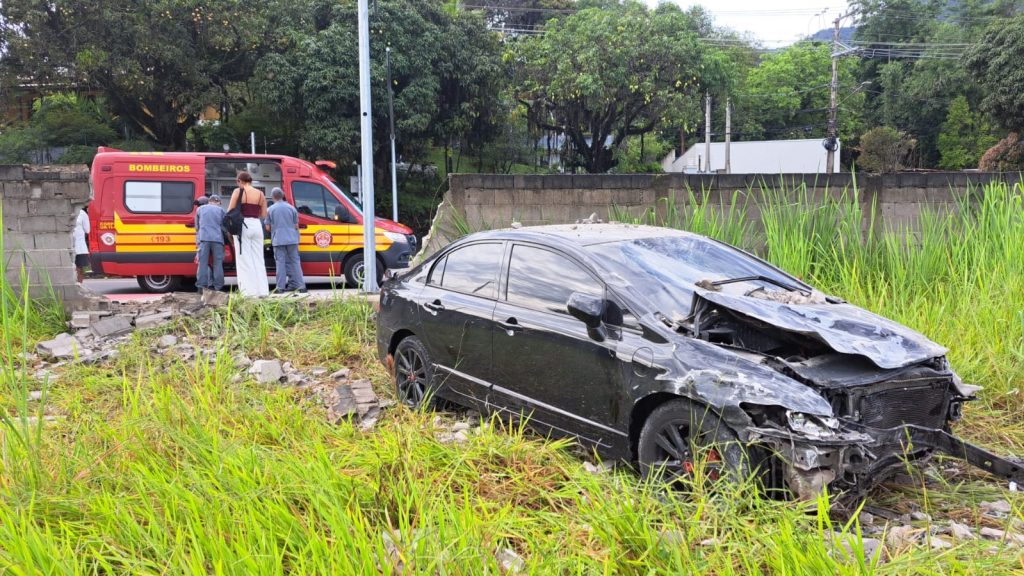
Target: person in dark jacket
column 210, row 245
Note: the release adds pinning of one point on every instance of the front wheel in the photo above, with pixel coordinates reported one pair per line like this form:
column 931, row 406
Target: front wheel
column 355, row 271
column 414, row 373
column 159, row 284
column 682, row 442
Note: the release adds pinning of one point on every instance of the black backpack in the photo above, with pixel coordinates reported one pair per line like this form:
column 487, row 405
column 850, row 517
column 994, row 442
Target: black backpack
column 233, row 220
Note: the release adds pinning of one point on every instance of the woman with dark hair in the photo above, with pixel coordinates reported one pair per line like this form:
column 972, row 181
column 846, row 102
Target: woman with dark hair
column 249, row 263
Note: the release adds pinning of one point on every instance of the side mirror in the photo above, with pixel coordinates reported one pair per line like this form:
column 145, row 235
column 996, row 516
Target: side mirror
column 589, row 310
column 343, row 215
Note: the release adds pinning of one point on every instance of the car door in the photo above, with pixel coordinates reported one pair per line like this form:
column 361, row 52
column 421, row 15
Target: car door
column 456, row 307
column 323, row 241
column 546, row 366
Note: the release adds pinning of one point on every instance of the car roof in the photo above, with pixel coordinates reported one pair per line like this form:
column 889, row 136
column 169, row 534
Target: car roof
column 584, row 234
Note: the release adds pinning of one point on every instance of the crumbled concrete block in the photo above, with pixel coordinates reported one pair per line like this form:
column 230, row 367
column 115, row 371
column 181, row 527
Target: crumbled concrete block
column 153, row 320
column 267, row 371
column 346, row 405
column 341, row 374
column 241, row 361
column 63, row 347
column 111, row 327
column 215, row 298
column 80, row 319
column 167, row 341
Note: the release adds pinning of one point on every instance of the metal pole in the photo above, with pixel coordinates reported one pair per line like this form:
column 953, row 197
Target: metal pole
column 728, row 133
column 366, row 179
column 252, row 141
column 833, row 107
column 391, row 122
column 707, row 133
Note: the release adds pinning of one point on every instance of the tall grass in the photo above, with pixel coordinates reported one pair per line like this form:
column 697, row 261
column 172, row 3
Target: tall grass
column 167, row 466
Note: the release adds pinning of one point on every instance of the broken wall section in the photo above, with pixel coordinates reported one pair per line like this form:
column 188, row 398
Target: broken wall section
column 40, row 205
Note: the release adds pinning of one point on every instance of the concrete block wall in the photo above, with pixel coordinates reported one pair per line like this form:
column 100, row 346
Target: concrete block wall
column 485, row 201
column 40, row 204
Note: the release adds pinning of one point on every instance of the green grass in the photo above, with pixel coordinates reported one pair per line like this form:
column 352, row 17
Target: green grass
column 162, row 466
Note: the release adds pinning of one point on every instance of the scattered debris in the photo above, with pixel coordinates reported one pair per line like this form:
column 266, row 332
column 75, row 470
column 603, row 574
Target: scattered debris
column 845, row 546
column 167, row 341
column 920, row 516
column 900, row 537
column 1002, row 536
column 241, row 361
column 996, row 509
column 960, row 531
column 35, row 395
column 267, row 371
column 598, row 468
column 63, row 347
column 111, row 327
column 509, row 561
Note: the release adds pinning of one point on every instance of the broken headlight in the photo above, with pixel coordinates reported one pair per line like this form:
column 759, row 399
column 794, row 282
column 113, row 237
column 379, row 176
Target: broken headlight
column 812, row 426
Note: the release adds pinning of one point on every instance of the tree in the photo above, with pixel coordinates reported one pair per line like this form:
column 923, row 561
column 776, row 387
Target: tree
column 995, row 65
column 884, row 149
column 159, row 63
column 965, row 136
column 446, row 77
column 600, row 76
column 787, row 95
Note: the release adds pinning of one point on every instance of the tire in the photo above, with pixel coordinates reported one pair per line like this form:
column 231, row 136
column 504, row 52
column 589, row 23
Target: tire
column 414, row 374
column 682, row 441
column 159, row 284
column 354, row 271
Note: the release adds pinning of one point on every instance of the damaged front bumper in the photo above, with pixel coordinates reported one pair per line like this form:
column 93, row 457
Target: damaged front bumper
column 847, row 457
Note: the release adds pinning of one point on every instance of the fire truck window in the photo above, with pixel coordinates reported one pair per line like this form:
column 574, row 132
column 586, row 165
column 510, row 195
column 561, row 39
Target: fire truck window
column 309, row 199
column 159, row 197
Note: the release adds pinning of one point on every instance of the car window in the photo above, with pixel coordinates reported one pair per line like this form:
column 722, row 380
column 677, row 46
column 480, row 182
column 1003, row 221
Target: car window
column 543, row 280
column 438, row 272
column 309, row 200
column 159, row 197
column 472, row 269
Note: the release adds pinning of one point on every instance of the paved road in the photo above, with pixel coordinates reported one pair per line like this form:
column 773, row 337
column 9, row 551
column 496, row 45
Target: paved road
column 128, row 288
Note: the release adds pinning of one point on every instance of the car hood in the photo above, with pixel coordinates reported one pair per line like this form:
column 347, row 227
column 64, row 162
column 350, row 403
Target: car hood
column 845, row 328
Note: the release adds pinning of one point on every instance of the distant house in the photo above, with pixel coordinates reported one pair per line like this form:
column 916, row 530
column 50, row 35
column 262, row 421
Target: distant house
column 757, row 157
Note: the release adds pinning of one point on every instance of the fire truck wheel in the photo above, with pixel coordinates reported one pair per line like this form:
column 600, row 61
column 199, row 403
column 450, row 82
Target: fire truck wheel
column 158, row 284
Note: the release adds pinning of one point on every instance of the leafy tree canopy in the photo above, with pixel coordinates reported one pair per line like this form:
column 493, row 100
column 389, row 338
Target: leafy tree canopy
column 159, row 63
column 995, row 63
column 602, row 75
column 787, row 95
column 965, row 136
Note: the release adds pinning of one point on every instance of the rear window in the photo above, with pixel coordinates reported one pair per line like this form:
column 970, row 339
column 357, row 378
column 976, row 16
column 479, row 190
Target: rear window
column 159, row 197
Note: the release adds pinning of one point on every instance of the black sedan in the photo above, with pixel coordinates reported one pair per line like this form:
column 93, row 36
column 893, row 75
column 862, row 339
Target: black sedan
column 662, row 347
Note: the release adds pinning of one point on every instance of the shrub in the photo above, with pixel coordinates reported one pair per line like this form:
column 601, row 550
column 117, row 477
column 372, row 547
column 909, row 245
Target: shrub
column 885, row 149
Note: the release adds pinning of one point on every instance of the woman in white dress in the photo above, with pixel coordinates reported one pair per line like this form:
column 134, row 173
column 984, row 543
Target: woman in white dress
column 249, row 263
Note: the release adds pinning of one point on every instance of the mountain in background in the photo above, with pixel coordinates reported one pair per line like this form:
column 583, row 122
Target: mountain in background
column 825, row 34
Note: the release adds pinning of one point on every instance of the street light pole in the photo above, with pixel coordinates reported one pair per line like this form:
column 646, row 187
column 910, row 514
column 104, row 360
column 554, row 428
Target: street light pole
column 366, row 180
column 391, row 122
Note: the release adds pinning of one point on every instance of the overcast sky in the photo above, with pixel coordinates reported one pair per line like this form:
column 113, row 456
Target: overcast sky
column 775, row 22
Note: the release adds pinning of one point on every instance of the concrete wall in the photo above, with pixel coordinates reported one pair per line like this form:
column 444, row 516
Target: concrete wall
column 40, row 204
column 478, row 201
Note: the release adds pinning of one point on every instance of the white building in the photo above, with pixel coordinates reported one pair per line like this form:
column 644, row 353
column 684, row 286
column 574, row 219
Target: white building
column 758, row 157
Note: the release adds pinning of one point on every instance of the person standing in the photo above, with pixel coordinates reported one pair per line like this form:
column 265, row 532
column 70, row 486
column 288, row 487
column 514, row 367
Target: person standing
column 81, row 243
column 249, row 263
column 283, row 225
column 210, row 245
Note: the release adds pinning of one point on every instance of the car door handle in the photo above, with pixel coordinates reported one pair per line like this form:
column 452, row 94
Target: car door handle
column 511, row 326
column 190, row 225
column 434, row 306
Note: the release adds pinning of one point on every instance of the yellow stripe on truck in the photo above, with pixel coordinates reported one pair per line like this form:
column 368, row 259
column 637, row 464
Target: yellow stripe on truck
column 120, row 226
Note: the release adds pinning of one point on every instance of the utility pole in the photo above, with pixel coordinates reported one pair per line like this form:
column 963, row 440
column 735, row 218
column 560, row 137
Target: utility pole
column 707, row 132
column 728, row 133
column 833, row 107
column 366, row 178
column 391, row 122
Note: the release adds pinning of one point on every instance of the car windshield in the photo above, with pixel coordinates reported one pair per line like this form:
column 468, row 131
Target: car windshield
column 354, row 202
column 668, row 268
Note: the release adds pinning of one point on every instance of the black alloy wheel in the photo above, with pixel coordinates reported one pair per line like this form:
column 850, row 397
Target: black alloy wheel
column 413, row 373
column 681, row 442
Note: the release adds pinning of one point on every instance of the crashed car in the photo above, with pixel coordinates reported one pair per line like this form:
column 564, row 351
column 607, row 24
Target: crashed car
column 656, row 345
